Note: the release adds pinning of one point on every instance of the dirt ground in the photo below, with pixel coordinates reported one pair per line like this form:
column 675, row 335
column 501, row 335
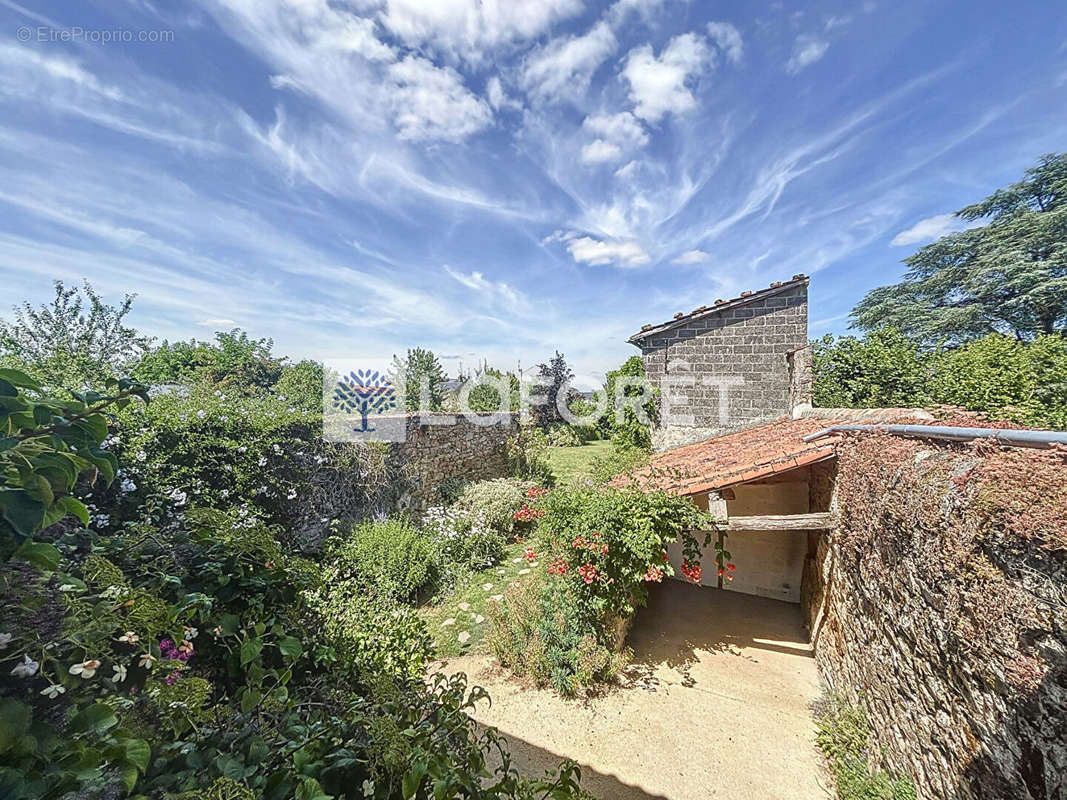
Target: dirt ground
column 715, row 704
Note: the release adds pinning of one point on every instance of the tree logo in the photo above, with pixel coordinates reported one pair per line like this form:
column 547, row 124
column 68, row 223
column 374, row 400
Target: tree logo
column 365, row 392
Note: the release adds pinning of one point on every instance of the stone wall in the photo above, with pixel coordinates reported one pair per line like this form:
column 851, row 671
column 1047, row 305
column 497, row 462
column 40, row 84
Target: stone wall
column 434, row 451
column 748, row 346
column 939, row 604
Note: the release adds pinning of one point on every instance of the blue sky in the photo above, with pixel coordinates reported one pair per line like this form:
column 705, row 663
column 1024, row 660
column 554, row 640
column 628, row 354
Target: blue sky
column 500, row 179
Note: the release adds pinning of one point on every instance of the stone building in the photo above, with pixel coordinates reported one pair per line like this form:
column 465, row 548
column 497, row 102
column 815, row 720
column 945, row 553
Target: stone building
column 730, row 365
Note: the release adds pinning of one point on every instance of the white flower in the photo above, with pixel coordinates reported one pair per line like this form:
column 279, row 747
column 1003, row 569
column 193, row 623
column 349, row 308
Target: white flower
column 201, row 414
column 120, row 673
column 129, row 637
column 218, row 393
column 223, row 418
column 190, row 632
column 127, row 485
column 52, row 691
column 27, row 669
column 282, row 397
column 225, row 493
column 147, row 660
column 141, row 455
column 68, row 587
column 263, row 461
column 242, row 449
column 178, row 496
column 5, row 640
column 86, row 669
column 292, row 494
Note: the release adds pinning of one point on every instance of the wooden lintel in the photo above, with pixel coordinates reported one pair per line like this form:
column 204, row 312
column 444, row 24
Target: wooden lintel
column 782, row 522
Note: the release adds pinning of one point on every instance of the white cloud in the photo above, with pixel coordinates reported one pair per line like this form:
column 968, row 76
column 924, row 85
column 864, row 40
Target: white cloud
column 564, row 67
column 728, row 39
column 431, row 102
column 660, row 85
column 691, row 257
column 926, row 230
column 498, row 97
column 806, row 51
column 494, row 290
column 216, row 323
column 597, row 252
column 614, row 136
column 466, row 28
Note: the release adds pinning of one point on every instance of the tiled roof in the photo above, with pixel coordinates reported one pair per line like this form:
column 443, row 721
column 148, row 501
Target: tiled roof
column 754, row 453
column 719, row 306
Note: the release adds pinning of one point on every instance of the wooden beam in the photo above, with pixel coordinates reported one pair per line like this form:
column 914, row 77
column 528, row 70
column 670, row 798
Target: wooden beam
column 782, row 522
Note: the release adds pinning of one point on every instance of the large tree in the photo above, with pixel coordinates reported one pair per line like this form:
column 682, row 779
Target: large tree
column 410, row 373
column 75, row 340
column 555, row 376
column 1008, row 276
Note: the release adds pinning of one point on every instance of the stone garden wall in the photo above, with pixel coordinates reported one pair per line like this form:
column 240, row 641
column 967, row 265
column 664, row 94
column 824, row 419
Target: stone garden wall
column 939, row 604
column 435, row 451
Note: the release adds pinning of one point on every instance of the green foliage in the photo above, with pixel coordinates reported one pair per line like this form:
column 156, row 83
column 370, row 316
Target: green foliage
column 45, row 446
column 883, row 369
column 234, row 363
column 556, row 376
column 619, row 461
column 301, row 385
column 493, row 502
column 464, row 541
column 528, row 456
column 393, row 557
column 1009, row 276
column 75, row 341
column 565, row 436
column 598, row 548
column 620, row 423
column 484, row 397
column 410, row 373
column 843, row 735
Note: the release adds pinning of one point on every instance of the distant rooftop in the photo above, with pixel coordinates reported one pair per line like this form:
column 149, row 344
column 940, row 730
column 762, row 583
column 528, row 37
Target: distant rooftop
column 719, row 306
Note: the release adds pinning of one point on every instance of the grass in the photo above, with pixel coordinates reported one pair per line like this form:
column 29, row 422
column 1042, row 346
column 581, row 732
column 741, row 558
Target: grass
column 463, row 610
column 569, row 463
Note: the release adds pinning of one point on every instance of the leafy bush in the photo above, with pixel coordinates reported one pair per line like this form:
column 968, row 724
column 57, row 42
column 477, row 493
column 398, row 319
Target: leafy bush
column 598, row 548
column 449, row 490
column 493, row 503
column 884, row 369
column 622, row 425
column 393, row 557
column 565, row 436
column 192, row 654
column 844, row 735
column 621, row 459
column 528, row 456
column 463, row 543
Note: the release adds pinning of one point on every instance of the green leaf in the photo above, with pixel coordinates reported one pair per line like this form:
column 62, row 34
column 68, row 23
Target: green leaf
column 290, row 646
column 74, row 506
column 17, row 378
column 250, row 650
column 95, row 426
column 230, row 624
column 40, row 554
column 138, row 753
column 96, row 719
column 22, row 512
column 15, row 721
column 250, row 699
column 412, row 779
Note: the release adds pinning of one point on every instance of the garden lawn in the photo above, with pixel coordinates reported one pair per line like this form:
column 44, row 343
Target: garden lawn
column 569, row 463
column 464, row 609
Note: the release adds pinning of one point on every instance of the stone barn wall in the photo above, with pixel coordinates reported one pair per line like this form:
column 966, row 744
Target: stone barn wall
column 939, row 604
column 752, row 345
column 435, row 451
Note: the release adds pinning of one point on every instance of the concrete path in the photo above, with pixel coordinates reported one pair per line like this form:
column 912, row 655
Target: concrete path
column 714, row 705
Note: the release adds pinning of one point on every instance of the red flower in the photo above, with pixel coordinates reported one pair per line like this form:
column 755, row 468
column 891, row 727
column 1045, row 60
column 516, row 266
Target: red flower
column 691, row 571
column 536, row 492
column 664, row 556
column 559, row 567
column 529, row 554
column 604, row 549
column 731, row 567
column 654, row 575
column 587, row 572
column 579, row 542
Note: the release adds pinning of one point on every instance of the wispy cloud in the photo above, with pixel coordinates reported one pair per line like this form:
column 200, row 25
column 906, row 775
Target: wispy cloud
column 691, row 257
column 807, row 50
column 926, row 230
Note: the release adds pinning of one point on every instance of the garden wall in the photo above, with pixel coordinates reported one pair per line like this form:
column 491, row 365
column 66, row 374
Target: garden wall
column 435, row 451
column 939, row 604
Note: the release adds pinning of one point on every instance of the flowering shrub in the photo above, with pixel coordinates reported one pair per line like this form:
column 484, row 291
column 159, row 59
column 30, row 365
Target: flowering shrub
column 463, row 544
column 493, row 503
column 599, row 547
column 392, row 557
column 189, row 652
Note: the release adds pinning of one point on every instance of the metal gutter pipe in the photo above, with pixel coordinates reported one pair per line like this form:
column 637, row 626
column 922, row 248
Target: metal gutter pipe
column 1016, row 438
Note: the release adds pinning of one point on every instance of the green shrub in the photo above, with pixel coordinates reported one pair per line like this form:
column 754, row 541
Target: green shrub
column 565, row 436
column 622, row 459
column 844, row 737
column 449, row 490
column 463, row 544
column 392, row 557
column 528, row 456
column 493, row 503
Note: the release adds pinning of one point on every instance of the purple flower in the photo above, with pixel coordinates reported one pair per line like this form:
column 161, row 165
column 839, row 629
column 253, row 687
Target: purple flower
column 172, row 679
